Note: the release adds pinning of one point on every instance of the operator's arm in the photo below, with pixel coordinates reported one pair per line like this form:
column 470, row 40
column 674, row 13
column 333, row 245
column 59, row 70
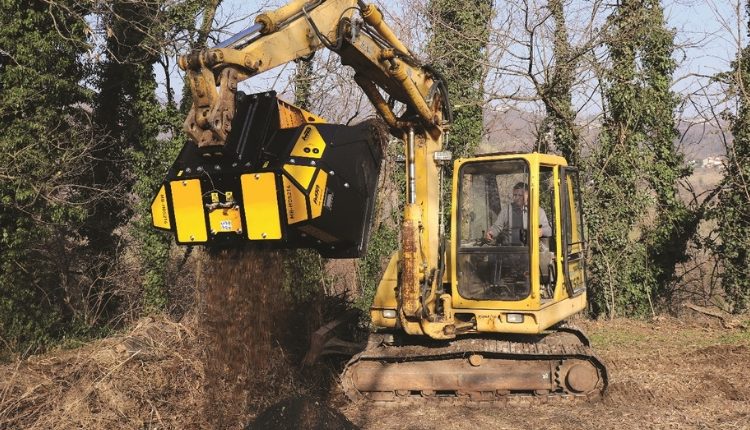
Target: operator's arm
column 544, row 229
column 500, row 225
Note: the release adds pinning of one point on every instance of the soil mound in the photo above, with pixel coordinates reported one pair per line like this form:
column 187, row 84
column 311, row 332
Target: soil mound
column 304, row 413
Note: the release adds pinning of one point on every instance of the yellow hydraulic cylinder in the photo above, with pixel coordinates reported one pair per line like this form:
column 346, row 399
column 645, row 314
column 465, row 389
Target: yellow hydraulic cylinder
column 271, row 20
column 374, row 17
column 411, row 262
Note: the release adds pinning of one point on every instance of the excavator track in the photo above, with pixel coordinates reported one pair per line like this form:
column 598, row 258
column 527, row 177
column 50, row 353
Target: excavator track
column 474, row 370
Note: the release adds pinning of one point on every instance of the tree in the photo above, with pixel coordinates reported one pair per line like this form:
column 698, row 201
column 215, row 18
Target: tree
column 127, row 113
column 45, row 151
column 556, row 93
column 640, row 227
column 144, row 134
column 732, row 213
column 459, row 35
column 675, row 224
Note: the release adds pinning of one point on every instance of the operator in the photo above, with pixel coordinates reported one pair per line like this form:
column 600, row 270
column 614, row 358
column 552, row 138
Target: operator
column 512, row 220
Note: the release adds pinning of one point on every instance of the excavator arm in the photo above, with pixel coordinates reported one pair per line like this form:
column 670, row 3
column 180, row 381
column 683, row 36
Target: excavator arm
column 260, row 170
column 295, row 31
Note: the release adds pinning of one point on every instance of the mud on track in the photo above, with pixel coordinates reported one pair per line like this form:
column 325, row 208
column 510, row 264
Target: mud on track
column 664, row 374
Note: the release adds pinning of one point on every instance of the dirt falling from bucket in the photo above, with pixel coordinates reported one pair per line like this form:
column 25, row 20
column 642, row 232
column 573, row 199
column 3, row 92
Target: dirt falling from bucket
column 242, row 301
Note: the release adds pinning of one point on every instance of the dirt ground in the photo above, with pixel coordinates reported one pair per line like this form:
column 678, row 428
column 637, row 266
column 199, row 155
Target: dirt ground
column 666, row 373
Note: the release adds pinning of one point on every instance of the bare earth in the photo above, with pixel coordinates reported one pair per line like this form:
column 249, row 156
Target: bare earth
column 665, row 374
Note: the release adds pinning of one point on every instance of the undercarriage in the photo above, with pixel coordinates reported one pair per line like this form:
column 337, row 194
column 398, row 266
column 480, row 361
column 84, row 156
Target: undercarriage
column 485, row 369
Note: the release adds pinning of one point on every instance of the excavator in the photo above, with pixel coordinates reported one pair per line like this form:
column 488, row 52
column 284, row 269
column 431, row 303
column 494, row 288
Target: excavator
column 459, row 313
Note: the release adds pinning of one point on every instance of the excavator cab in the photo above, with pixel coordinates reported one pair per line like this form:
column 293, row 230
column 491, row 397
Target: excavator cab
column 493, row 265
column 515, row 262
column 517, row 240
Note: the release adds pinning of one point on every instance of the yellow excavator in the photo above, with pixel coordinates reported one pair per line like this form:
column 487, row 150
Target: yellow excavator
column 477, row 314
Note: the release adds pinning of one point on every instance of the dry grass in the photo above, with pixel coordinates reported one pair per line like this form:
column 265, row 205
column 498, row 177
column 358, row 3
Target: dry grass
column 217, row 368
column 149, row 378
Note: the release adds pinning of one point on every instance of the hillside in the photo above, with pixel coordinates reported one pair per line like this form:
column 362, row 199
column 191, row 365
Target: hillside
column 515, row 130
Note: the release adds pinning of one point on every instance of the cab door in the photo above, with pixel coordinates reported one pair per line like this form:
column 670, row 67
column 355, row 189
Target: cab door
column 573, row 241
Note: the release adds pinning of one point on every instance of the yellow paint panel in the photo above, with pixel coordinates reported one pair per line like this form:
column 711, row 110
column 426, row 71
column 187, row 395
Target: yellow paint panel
column 385, row 295
column 225, row 220
column 291, row 116
column 261, row 206
column 189, row 217
column 296, row 203
column 317, row 194
column 310, row 144
column 160, row 210
column 302, row 174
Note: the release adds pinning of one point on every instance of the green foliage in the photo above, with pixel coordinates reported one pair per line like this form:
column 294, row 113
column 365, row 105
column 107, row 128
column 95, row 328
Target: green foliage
column 556, row 93
column 383, row 242
column 675, row 224
column 303, row 82
column 636, row 164
column 65, row 174
column 305, row 275
column 732, row 213
column 150, row 162
column 460, row 33
column 44, row 150
column 125, row 112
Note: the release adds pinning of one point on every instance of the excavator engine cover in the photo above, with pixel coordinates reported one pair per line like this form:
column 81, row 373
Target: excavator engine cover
column 284, row 179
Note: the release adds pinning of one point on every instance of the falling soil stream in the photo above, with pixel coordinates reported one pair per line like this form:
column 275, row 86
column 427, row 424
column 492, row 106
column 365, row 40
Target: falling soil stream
column 242, row 301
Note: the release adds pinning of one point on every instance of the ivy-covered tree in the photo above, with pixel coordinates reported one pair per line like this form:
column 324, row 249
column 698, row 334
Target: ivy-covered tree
column 144, row 134
column 640, row 228
column 675, row 224
column 616, row 202
column 45, row 150
column 732, row 213
column 459, row 33
column 556, row 93
column 128, row 114
column 459, row 36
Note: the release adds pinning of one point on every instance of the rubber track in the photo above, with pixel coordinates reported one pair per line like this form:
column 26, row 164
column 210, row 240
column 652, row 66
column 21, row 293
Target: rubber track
column 489, row 348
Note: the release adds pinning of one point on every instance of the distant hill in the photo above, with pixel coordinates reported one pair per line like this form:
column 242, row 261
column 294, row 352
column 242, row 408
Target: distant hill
column 515, row 130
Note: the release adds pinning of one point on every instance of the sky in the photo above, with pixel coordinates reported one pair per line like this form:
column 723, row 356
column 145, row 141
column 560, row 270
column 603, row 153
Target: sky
column 707, row 38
